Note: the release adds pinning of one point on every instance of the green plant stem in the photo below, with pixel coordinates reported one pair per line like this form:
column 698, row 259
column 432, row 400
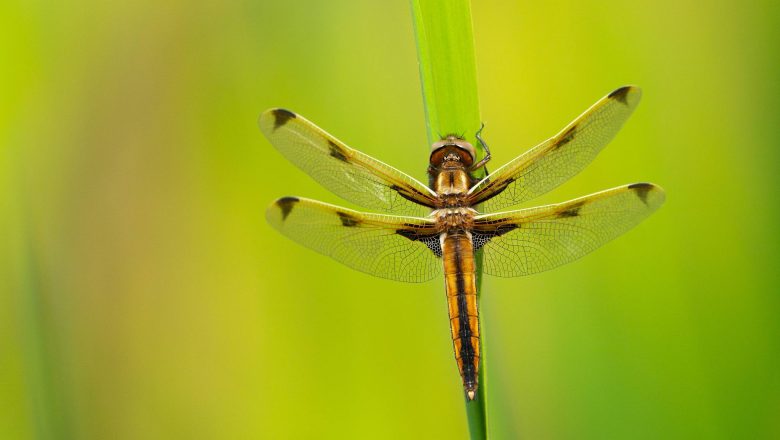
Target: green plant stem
column 48, row 411
column 445, row 49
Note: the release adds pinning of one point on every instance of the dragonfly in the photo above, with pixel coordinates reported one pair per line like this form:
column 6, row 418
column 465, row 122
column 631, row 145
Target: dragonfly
column 427, row 229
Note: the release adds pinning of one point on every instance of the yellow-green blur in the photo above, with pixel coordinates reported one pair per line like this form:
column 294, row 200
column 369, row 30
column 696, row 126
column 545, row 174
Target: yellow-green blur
column 143, row 296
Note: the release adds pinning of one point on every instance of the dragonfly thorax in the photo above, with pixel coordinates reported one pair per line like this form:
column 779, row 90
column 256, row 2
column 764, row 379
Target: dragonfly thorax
column 451, row 200
column 448, row 219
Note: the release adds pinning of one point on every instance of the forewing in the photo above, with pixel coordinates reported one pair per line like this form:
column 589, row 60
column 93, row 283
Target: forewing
column 397, row 248
column 559, row 158
column 350, row 174
column 533, row 240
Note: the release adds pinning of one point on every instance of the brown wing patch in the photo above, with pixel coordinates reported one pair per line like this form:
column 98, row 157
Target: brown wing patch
column 496, row 187
column 347, row 172
column 556, row 234
column 506, row 228
column 363, row 241
column 410, row 234
column 426, row 235
column 642, row 189
column 571, row 210
column 412, row 194
column 348, row 220
column 557, row 159
column 281, row 116
column 286, row 205
column 484, row 232
column 336, row 151
column 621, row 94
column 567, row 136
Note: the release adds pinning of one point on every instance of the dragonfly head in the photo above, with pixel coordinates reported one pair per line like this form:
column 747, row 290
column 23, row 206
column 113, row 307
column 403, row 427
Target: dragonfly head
column 452, row 149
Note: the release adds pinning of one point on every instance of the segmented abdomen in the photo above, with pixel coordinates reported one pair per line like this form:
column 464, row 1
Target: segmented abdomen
column 461, row 288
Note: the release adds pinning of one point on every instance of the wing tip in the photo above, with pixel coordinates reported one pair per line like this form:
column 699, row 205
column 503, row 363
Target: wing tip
column 283, row 206
column 628, row 94
column 271, row 119
column 652, row 195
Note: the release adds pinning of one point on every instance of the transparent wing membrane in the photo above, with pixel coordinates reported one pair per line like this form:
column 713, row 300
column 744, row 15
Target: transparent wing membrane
column 407, row 248
column 559, row 158
column 350, row 174
column 397, row 248
column 533, row 240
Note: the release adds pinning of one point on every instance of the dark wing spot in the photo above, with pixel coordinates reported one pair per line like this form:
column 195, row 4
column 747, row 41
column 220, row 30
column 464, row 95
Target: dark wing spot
column 480, row 239
column 642, row 189
column 337, row 152
column 401, row 192
column 286, row 205
column 621, row 94
column 567, row 137
column 571, row 211
column 407, row 233
column 430, row 240
column 504, row 184
column 347, row 219
column 433, row 243
column 506, row 228
column 404, row 191
column 281, row 116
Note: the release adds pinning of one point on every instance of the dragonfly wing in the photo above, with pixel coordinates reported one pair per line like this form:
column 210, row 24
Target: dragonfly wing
column 397, row 248
column 350, row 174
column 533, row 240
column 559, row 158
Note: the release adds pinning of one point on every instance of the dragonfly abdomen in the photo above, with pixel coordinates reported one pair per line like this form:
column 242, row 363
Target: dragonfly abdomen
column 461, row 288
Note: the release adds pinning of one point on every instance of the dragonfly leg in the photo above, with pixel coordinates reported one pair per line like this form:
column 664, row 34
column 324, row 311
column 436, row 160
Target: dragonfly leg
column 482, row 142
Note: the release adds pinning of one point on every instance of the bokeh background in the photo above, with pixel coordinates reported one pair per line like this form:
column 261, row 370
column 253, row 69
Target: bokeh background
column 143, row 296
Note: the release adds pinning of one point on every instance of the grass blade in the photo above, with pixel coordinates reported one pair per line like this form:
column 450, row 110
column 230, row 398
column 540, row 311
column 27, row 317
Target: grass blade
column 448, row 72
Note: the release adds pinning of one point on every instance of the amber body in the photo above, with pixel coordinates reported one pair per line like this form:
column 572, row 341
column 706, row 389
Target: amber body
column 450, row 178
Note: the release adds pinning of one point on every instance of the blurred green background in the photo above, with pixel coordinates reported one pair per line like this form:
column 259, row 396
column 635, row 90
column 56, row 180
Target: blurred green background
column 144, row 297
